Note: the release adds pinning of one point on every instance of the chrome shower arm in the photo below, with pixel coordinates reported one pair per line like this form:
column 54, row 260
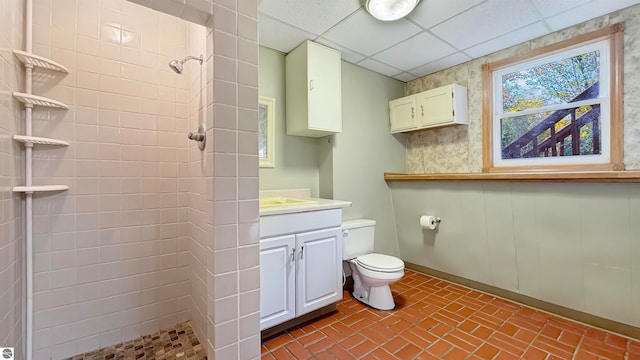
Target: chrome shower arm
column 192, row 58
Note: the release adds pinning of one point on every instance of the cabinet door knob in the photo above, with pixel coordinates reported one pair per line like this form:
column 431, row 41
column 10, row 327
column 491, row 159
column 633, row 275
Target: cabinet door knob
column 310, row 84
column 293, row 255
column 301, row 252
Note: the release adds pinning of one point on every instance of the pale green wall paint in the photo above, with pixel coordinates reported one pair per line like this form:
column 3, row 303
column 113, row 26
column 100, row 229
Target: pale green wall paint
column 571, row 244
column 325, row 165
column 351, row 166
column 296, row 163
column 366, row 149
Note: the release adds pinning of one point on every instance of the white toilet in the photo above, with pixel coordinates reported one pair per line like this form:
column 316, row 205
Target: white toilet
column 372, row 273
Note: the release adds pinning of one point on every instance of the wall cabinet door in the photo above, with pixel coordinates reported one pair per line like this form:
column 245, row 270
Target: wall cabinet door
column 277, row 280
column 443, row 106
column 436, row 106
column 313, row 84
column 325, row 99
column 319, row 269
column 402, row 114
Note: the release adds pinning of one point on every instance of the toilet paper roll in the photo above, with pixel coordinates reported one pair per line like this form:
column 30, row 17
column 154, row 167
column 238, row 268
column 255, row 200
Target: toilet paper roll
column 428, row 222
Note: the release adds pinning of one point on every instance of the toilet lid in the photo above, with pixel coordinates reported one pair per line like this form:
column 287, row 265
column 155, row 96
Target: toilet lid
column 380, row 262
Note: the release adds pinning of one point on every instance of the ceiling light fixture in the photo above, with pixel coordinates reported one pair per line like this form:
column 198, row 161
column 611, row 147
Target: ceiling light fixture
column 389, row 10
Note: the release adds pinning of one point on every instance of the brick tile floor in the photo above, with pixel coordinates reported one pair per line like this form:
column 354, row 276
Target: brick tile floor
column 436, row 319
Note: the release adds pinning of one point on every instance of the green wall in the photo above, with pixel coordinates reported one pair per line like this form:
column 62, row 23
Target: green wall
column 571, row 244
column 366, row 149
column 347, row 166
column 296, row 161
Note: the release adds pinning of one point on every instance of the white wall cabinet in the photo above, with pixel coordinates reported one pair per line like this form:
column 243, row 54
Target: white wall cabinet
column 313, row 90
column 300, row 271
column 443, row 106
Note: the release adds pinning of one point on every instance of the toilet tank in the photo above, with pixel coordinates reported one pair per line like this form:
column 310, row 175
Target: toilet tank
column 357, row 238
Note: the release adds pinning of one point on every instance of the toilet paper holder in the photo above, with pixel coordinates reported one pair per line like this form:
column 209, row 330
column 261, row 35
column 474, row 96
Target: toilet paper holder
column 429, row 222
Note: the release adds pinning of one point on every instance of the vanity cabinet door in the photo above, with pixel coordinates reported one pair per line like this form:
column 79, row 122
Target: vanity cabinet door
column 277, row 280
column 319, row 269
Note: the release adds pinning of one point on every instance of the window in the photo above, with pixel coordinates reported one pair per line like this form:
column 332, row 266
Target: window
column 556, row 108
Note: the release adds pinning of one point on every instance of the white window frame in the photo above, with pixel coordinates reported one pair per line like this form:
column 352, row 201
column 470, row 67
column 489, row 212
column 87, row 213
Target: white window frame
column 608, row 41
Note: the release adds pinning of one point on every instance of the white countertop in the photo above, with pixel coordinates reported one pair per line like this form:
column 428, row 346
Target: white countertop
column 318, row 204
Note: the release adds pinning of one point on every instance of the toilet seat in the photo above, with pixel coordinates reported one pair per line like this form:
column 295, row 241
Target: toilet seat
column 380, row 263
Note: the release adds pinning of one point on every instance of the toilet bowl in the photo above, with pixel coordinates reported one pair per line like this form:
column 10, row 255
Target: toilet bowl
column 372, row 273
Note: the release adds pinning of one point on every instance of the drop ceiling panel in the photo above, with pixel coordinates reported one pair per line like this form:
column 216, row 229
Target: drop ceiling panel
column 551, row 7
column 347, row 54
column 404, row 77
column 366, row 35
column 449, row 61
column 513, row 38
column 486, row 21
column 432, row 12
column 315, row 16
column 437, row 35
column 379, row 67
column 418, row 50
column 280, row 36
column 583, row 13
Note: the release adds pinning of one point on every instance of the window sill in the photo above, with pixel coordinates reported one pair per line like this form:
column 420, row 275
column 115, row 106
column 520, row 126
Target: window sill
column 574, row 176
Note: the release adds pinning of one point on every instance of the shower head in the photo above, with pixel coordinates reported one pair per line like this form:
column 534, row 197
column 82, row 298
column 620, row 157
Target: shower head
column 176, row 65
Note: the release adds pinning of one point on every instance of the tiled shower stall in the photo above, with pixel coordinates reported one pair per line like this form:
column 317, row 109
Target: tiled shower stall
column 152, row 231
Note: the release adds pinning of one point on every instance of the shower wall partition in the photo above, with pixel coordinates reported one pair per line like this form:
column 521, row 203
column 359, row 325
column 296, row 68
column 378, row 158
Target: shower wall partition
column 112, row 255
column 152, row 231
column 11, row 174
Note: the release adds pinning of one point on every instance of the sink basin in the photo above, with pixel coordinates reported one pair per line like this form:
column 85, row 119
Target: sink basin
column 282, row 201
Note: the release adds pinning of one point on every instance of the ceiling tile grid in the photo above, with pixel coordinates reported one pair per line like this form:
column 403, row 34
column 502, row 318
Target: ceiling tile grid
column 366, row 35
column 438, row 34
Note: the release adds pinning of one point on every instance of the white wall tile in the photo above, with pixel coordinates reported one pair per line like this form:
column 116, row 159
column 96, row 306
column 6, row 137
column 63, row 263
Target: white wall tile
column 113, row 77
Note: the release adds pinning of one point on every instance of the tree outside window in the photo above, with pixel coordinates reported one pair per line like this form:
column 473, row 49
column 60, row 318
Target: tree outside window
column 558, row 108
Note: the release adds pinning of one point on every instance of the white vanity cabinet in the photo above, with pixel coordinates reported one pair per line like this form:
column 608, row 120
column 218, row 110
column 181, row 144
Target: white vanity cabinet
column 442, row 106
column 318, row 269
column 277, row 280
column 300, row 264
column 313, row 84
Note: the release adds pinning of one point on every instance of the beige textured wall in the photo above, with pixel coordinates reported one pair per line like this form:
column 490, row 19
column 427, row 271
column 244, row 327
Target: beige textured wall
column 112, row 254
column 459, row 149
column 11, row 173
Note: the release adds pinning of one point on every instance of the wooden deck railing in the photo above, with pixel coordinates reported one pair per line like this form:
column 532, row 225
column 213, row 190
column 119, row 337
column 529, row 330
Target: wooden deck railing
column 529, row 146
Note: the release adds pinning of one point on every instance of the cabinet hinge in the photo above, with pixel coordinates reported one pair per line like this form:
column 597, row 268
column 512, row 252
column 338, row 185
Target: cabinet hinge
column 452, row 94
column 454, row 112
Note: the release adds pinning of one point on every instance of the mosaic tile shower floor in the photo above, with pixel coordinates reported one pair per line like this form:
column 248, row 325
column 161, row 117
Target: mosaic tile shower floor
column 177, row 343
